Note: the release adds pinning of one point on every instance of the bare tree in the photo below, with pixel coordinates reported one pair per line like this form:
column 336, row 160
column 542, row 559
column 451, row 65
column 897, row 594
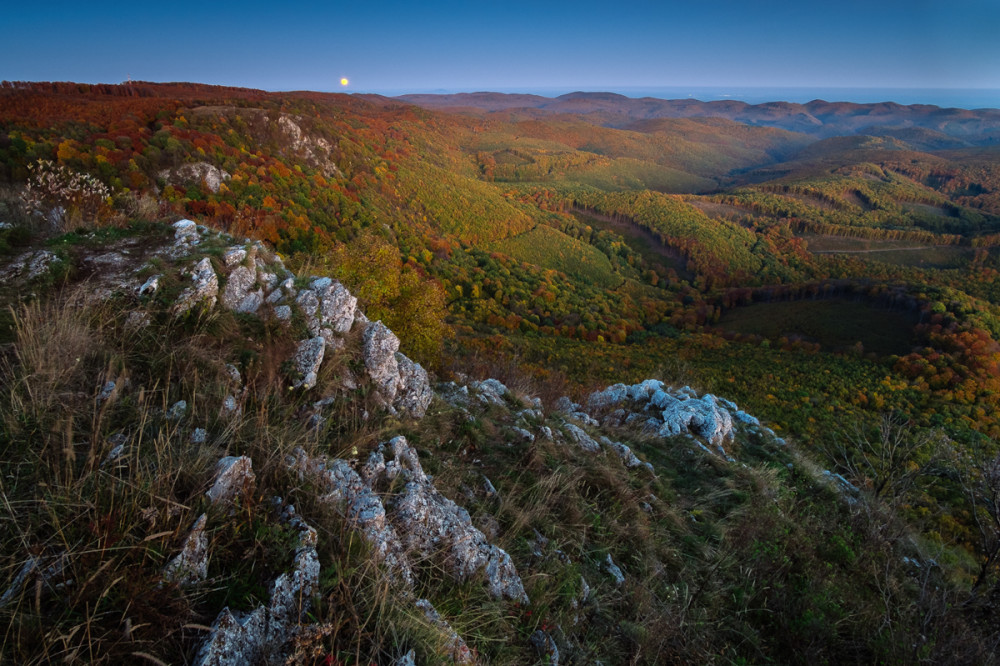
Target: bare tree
column 980, row 480
column 889, row 458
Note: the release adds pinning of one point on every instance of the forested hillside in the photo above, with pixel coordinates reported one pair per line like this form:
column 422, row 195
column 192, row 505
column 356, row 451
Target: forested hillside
column 835, row 269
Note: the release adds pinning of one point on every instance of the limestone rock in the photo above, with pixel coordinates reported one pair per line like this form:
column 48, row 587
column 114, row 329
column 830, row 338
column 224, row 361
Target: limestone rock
column 702, row 416
column 308, row 359
column 490, row 391
column 614, row 570
column 361, row 507
column 177, row 410
column 336, row 308
column 191, row 564
column 581, row 438
column 30, row 265
column 233, row 476
column 408, row 659
column 150, row 286
column 233, row 256
column 197, row 172
column 379, row 351
column 455, row 648
column 629, row 458
column 546, row 647
column 185, row 230
column 239, row 295
column 417, row 522
column 204, row 290
column 430, row 524
column 260, row 636
column 414, row 395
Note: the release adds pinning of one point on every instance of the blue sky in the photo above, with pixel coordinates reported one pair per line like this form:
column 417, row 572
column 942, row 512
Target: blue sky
column 475, row 45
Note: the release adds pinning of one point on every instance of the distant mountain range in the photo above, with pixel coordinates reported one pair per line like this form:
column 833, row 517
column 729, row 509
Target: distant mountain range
column 933, row 125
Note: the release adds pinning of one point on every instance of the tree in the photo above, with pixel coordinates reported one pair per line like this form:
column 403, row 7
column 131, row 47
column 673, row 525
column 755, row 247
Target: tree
column 980, row 480
column 889, row 458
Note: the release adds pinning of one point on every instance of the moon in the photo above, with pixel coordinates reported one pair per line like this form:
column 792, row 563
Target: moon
column 344, row 81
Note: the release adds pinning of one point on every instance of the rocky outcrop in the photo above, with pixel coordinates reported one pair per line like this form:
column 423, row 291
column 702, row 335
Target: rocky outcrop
column 204, row 290
column 416, row 522
column 257, row 282
column 401, row 383
column 196, row 172
column 234, row 477
column 29, row 265
column 454, row 647
column 668, row 412
column 360, row 506
column 190, row 566
column 261, row 635
column 308, row 358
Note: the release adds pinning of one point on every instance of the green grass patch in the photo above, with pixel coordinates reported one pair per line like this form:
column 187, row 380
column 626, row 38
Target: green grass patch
column 548, row 248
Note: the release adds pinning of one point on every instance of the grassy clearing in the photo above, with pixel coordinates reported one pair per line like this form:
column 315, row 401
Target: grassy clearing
column 551, row 249
column 641, row 240
column 834, row 324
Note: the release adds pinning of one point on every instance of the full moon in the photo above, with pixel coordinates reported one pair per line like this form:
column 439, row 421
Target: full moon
column 344, row 81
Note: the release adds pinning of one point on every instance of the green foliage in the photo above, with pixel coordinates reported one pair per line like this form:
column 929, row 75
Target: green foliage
column 547, row 248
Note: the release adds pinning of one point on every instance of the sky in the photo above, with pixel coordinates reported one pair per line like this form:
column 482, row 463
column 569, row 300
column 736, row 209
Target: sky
column 396, row 47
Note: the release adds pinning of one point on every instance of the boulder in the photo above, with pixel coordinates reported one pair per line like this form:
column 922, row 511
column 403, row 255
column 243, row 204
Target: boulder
column 545, row 647
column 239, row 294
column 191, row 564
column 455, row 648
column 581, row 438
column 233, row 476
column 379, row 352
column 205, row 288
column 308, row 359
column 414, row 395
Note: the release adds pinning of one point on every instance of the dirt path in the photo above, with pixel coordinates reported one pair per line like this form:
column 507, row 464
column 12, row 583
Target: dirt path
column 884, row 249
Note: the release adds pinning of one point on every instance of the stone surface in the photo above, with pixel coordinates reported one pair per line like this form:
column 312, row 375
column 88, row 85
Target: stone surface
column 408, row 659
column 379, row 349
column 490, row 391
column 29, row 265
column 336, row 308
column 177, row 410
column 455, row 647
column 362, row 508
column 233, row 256
column 417, row 522
column 614, row 570
column 545, row 647
column 233, row 476
column 150, row 286
column 581, row 438
column 204, row 290
column 190, row 566
column 308, row 359
column 239, row 294
column 415, row 394
column 197, row 172
column 261, row 636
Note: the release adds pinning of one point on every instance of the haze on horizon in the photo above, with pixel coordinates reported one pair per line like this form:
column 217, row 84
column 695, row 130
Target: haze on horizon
column 397, row 47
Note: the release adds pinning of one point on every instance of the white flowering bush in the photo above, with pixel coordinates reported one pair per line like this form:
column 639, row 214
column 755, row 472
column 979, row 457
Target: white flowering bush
column 65, row 197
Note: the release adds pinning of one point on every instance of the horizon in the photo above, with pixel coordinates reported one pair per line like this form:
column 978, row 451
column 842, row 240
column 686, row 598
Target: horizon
column 888, row 44
column 961, row 98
